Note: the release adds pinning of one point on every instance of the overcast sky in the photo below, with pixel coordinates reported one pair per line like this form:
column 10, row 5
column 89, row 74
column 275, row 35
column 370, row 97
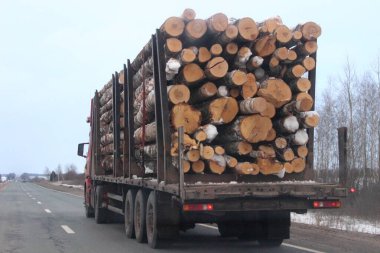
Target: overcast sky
column 54, row 54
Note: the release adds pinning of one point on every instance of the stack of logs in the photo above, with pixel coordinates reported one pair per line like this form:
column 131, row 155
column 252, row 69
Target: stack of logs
column 239, row 88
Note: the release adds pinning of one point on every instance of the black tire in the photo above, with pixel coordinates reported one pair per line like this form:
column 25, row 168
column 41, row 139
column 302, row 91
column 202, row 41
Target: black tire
column 151, row 221
column 270, row 242
column 89, row 210
column 230, row 229
column 129, row 214
column 100, row 212
column 139, row 217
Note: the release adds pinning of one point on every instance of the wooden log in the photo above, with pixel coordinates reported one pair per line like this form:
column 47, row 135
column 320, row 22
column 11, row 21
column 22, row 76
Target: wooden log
column 250, row 87
column 188, row 143
column 288, row 167
column 106, row 107
column 307, row 48
column 242, row 57
column 304, row 102
column 260, row 74
column 219, row 111
column 256, row 169
column 286, row 154
column 195, row 30
column 295, row 71
column 204, row 55
column 217, row 23
column 144, row 72
column 211, row 132
column 186, row 165
column 270, row 111
column 252, row 105
column 192, row 155
column 185, row 115
column 283, row 34
column 143, row 56
column 198, row 167
column 309, row 119
column 107, row 162
column 178, row 93
column 270, row 25
column 288, row 124
column 230, row 161
column 148, row 111
column 172, row 47
column 228, row 35
column 188, row 15
column 107, row 86
column 300, row 85
column 254, row 63
column 308, row 63
column 216, row 49
column 238, row 148
column 280, row 143
column 281, row 54
column 301, row 151
column 191, row 74
column 222, row 91
column 265, row 46
column 150, row 133
column 230, row 50
column 247, row 29
column 235, row 91
column 149, row 150
column 205, row 92
column 271, row 135
column 264, row 152
column 106, row 118
column 292, row 56
column 105, row 97
column 269, row 166
column 206, row 152
column 187, row 55
column 298, row 165
column 216, row 68
column 235, row 77
column 217, row 164
column 108, row 138
column 200, row 135
column 275, row 91
column 172, row 68
column 253, row 128
column 219, row 150
column 173, row 27
column 300, row 138
column 244, row 168
column 309, row 30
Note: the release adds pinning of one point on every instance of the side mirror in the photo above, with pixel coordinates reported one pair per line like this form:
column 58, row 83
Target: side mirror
column 81, row 149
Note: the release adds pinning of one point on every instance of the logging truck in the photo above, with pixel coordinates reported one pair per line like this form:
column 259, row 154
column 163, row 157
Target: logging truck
column 212, row 122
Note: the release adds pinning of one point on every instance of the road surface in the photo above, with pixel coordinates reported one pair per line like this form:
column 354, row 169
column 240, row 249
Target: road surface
column 38, row 220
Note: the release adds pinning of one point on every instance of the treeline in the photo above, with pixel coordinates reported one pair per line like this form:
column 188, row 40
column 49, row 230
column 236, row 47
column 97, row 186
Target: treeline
column 353, row 101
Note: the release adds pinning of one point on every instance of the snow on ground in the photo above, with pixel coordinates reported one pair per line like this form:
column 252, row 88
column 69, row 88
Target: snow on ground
column 338, row 222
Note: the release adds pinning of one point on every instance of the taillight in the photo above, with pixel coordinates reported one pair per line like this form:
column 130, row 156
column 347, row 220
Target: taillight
column 326, row 204
column 352, row 190
column 198, row 207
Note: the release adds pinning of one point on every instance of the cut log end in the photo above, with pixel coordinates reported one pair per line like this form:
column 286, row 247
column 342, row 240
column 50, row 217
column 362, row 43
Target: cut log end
column 192, row 155
column 311, row 31
column 217, row 23
column 188, row 15
column 216, row 49
column 195, row 29
column 223, row 110
column 247, row 29
column 207, row 152
column 302, row 151
column 216, row 68
column 173, row 27
column 298, row 165
column 249, row 88
column 269, row 166
column 186, row 116
column 198, row 166
column 275, row 91
column 179, row 93
column 255, row 128
column 173, row 46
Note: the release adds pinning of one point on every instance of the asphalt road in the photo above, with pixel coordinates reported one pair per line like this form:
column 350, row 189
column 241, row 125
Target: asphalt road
column 36, row 219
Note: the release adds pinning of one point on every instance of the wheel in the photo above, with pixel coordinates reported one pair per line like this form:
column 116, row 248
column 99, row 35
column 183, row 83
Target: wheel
column 89, row 210
column 139, row 217
column 128, row 213
column 151, row 221
column 100, row 212
column 270, row 242
column 230, row 228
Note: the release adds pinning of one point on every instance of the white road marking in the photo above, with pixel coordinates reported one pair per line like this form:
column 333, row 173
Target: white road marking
column 302, row 248
column 283, row 244
column 47, row 210
column 39, row 203
column 67, row 229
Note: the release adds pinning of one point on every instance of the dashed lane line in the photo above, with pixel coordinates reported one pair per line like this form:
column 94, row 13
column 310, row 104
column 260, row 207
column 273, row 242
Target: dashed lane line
column 283, row 244
column 39, row 203
column 67, row 229
column 47, row 210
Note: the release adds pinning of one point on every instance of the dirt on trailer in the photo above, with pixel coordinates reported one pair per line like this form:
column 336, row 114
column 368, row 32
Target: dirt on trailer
column 63, row 187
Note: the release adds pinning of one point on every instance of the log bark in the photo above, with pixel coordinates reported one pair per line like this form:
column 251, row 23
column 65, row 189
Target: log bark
column 242, row 57
column 172, row 68
column 229, row 35
column 288, row 124
column 254, row 63
column 216, row 68
column 217, row 23
column 253, row 128
column 150, row 133
column 211, row 132
column 186, row 165
column 173, row 27
column 217, row 164
column 108, row 138
column 219, row 111
column 252, row 105
column 300, row 138
column 205, row 92
column 238, row 148
column 247, row 29
column 185, row 115
column 231, row 161
column 106, row 118
column 144, row 72
column 250, row 87
column 222, row 91
column 260, row 74
column 195, row 30
column 198, row 167
column 275, row 91
column 235, row 91
column 265, row 46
